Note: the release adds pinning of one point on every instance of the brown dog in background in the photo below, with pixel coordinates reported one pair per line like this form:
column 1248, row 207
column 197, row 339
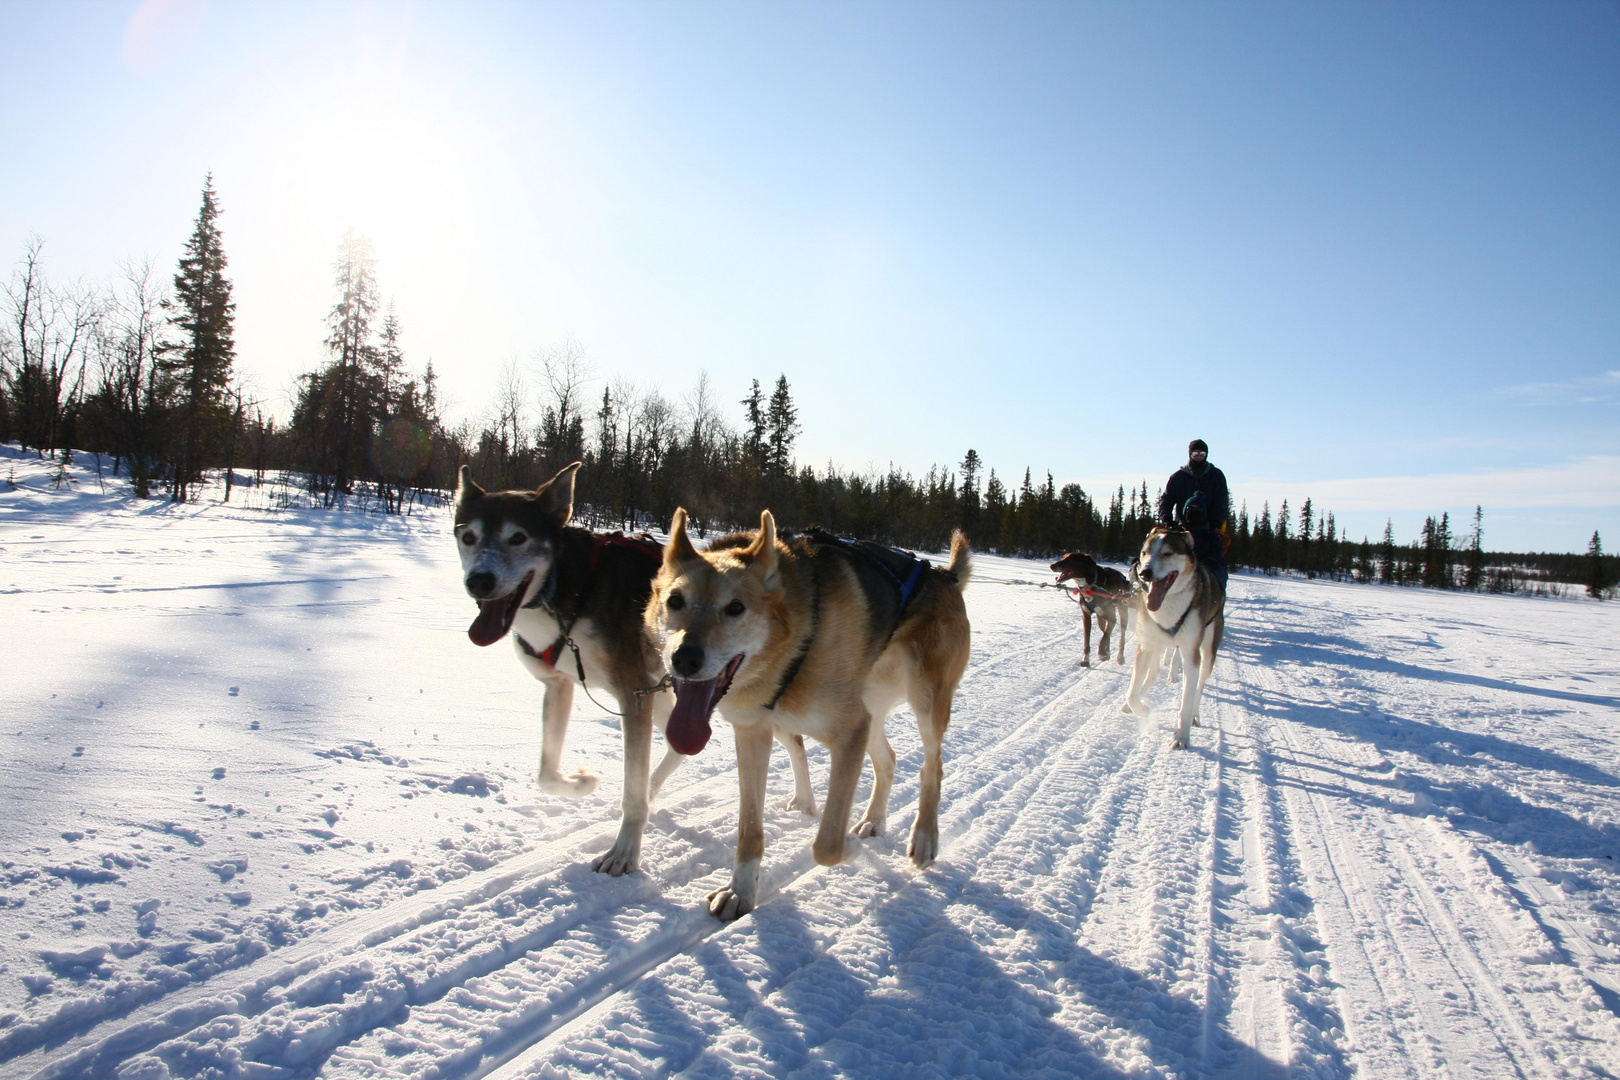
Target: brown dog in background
column 1102, row 591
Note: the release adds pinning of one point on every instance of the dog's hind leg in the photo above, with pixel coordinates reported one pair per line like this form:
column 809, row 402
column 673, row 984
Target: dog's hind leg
column 1149, row 658
column 666, row 767
column 559, row 702
column 931, row 701
column 1206, row 663
column 753, row 764
column 671, row 760
column 1190, row 682
column 624, row 857
column 803, row 798
column 876, row 818
column 842, row 778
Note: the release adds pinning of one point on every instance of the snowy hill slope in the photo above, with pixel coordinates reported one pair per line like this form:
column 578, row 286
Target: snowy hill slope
column 266, row 812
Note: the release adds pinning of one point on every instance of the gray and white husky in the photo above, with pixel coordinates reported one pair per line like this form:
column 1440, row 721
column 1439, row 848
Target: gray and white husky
column 554, row 587
column 1183, row 608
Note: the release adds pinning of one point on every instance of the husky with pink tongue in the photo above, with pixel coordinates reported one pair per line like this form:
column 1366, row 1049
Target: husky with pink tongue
column 1183, row 608
column 554, row 588
column 814, row 636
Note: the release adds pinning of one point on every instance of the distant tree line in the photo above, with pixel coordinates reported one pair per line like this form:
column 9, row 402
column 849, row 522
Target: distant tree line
column 1440, row 558
column 146, row 373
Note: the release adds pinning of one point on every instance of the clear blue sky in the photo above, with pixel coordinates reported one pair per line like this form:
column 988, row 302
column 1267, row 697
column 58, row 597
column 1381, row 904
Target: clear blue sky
column 1369, row 251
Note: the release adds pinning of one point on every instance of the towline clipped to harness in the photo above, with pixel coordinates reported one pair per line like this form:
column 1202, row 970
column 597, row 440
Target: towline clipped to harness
column 1088, row 596
column 545, row 600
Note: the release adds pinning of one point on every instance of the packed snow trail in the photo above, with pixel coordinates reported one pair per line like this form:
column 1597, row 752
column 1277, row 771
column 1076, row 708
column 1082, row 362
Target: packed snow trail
column 271, row 815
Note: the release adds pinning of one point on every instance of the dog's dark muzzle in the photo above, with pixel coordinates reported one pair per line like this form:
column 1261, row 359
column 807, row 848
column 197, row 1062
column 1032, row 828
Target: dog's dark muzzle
column 480, row 585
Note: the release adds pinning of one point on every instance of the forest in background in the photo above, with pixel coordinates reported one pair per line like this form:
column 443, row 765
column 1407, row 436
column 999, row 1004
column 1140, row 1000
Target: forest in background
column 144, row 371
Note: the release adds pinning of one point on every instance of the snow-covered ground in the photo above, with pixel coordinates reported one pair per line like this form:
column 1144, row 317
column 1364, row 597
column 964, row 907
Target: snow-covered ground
column 265, row 811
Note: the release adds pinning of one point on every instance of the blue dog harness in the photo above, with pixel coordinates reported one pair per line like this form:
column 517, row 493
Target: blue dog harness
column 903, row 568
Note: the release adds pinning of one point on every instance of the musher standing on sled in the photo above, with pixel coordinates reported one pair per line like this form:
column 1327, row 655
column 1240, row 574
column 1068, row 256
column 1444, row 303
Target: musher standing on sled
column 1195, row 498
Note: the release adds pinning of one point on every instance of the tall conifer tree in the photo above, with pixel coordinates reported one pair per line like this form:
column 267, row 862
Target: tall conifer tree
column 197, row 368
column 1597, row 576
column 783, row 421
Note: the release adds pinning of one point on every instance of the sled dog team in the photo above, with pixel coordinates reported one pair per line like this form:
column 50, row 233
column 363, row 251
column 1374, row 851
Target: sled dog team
column 785, row 637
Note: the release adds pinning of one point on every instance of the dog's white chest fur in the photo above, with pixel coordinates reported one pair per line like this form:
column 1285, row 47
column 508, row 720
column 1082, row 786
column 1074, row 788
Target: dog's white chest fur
column 540, row 630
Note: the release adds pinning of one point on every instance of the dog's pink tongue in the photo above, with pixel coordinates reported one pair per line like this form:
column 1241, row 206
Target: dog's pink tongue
column 688, row 730
column 491, row 625
column 1160, row 586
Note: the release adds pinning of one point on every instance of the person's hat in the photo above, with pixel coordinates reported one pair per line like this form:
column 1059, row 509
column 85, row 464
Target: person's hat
column 1198, row 444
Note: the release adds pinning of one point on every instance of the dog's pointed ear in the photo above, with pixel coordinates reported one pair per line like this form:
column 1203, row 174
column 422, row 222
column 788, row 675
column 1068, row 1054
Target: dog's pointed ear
column 466, row 490
column 763, row 550
column 556, row 496
column 679, row 549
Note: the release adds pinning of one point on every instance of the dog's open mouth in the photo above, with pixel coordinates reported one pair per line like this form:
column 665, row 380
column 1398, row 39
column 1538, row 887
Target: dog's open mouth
column 688, row 730
column 495, row 616
column 1159, row 587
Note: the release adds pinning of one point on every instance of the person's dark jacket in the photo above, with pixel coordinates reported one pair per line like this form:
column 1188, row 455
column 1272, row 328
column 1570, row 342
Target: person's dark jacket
column 1181, row 486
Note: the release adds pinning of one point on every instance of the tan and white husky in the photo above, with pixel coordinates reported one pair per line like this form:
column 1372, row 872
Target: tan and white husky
column 817, row 637
column 1182, row 608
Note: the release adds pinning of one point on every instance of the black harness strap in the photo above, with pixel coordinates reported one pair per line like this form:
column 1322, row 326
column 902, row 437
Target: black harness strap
column 804, row 646
column 1190, row 605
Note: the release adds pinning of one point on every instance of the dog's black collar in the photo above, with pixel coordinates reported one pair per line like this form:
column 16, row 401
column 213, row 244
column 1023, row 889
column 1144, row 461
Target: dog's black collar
column 804, row 646
column 548, row 591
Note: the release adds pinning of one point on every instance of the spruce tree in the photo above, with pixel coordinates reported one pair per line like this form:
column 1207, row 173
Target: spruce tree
column 1284, row 555
column 1386, row 554
column 1114, row 528
column 197, row 368
column 783, row 421
column 995, row 505
column 969, row 500
column 352, row 384
column 1307, row 556
column 1597, row 577
column 1475, row 575
column 390, row 362
column 754, row 438
column 1262, row 538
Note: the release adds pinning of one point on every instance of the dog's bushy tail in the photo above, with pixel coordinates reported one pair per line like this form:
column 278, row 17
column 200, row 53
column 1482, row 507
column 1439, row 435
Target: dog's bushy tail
column 961, row 564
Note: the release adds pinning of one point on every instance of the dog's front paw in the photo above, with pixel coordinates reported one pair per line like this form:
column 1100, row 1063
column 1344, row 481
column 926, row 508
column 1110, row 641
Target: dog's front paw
column 1178, row 743
column 624, row 857
column 870, row 827
column 1085, row 661
column 923, row 847
column 577, row 786
column 805, row 804
column 1131, row 708
column 728, row 906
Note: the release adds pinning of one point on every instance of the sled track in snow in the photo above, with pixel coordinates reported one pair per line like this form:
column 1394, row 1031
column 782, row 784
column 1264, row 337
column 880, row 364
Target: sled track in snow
column 1010, row 783
column 370, row 971
column 1406, row 939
